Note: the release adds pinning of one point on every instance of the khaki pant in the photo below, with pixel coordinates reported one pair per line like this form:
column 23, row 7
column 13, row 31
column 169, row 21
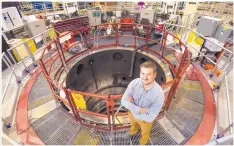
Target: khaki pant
column 145, row 128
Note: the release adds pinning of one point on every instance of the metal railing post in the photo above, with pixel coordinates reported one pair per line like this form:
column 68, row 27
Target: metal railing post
column 116, row 35
column 112, row 113
column 72, row 103
column 228, row 103
column 26, row 68
column 135, row 36
column 30, row 54
column 226, row 130
column 147, row 37
column 56, row 47
column 60, row 51
column 44, row 39
column 108, row 115
column 227, row 62
column 8, row 139
column 45, row 9
column 164, row 44
column 216, row 64
column 11, row 67
column 162, row 40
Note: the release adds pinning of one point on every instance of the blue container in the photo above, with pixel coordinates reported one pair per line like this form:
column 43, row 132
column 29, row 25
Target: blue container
column 39, row 5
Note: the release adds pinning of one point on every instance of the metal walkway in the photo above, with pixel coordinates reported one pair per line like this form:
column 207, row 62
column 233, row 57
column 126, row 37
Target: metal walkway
column 57, row 127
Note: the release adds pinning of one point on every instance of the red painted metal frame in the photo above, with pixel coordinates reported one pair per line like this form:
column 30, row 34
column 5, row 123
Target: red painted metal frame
column 23, row 128
column 183, row 65
column 205, row 129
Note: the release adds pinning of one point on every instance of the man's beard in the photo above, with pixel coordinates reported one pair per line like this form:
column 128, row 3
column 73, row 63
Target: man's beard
column 147, row 83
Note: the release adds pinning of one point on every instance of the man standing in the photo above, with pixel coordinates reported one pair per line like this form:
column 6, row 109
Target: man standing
column 144, row 99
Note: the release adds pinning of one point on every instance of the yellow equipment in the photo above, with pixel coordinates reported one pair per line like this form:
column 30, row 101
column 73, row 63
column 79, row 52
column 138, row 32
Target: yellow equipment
column 22, row 50
column 79, row 100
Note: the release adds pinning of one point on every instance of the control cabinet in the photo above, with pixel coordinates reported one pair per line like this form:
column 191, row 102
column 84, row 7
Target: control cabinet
column 36, row 26
column 94, row 17
column 208, row 26
column 223, row 33
column 11, row 19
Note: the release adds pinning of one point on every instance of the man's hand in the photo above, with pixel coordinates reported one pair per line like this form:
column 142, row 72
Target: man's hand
column 130, row 99
column 143, row 110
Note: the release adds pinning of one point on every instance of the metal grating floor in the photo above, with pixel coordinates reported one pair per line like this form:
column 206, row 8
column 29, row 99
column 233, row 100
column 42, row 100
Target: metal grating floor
column 64, row 134
column 40, row 88
column 120, row 140
column 185, row 117
column 191, row 94
column 159, row 136
column 85, row 136
column 58, row 128
column 40, row 101
column 44, row 118
column 183, row 130
column 183, row 120
column 54, row 121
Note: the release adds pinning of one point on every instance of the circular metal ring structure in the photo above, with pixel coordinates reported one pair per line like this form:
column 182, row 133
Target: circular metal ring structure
column 100, row 73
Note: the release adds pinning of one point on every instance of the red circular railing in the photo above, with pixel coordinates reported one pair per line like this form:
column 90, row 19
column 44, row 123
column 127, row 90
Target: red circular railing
column 48, row 63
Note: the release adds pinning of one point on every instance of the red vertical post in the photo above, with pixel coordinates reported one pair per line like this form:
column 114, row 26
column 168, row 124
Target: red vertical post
column 112, row 112
column 135, row 37
column 57, row 34
column 171, row 93
column 164, row 43
column 175, row 85
column 147, row 37
column 72, row 103
column 43, row 67
column 60, row 48
column 181, row 63
column 109, row 103
column 108, row 116
column 59, row 52
column 46, row 74
column 89, row 34
column 52, row 88
column 85, row 37
column 116, row 35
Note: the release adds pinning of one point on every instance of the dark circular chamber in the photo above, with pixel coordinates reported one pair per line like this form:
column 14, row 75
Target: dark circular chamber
column 107, row 72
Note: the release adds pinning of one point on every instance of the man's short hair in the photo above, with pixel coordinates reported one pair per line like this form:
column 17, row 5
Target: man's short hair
column 149, row 64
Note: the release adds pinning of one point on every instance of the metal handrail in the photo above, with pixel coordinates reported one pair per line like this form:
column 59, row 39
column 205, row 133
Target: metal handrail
column 30, row 39
column 201, row 36
column 222, row 140
column 228, row 103
column 204, row 56
column 53, row 83
column 218, row 141
column 215, row 63
column 83, row 93
column 115, row 115
column 5, row 58
column 8, row 83
column 6, row 137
